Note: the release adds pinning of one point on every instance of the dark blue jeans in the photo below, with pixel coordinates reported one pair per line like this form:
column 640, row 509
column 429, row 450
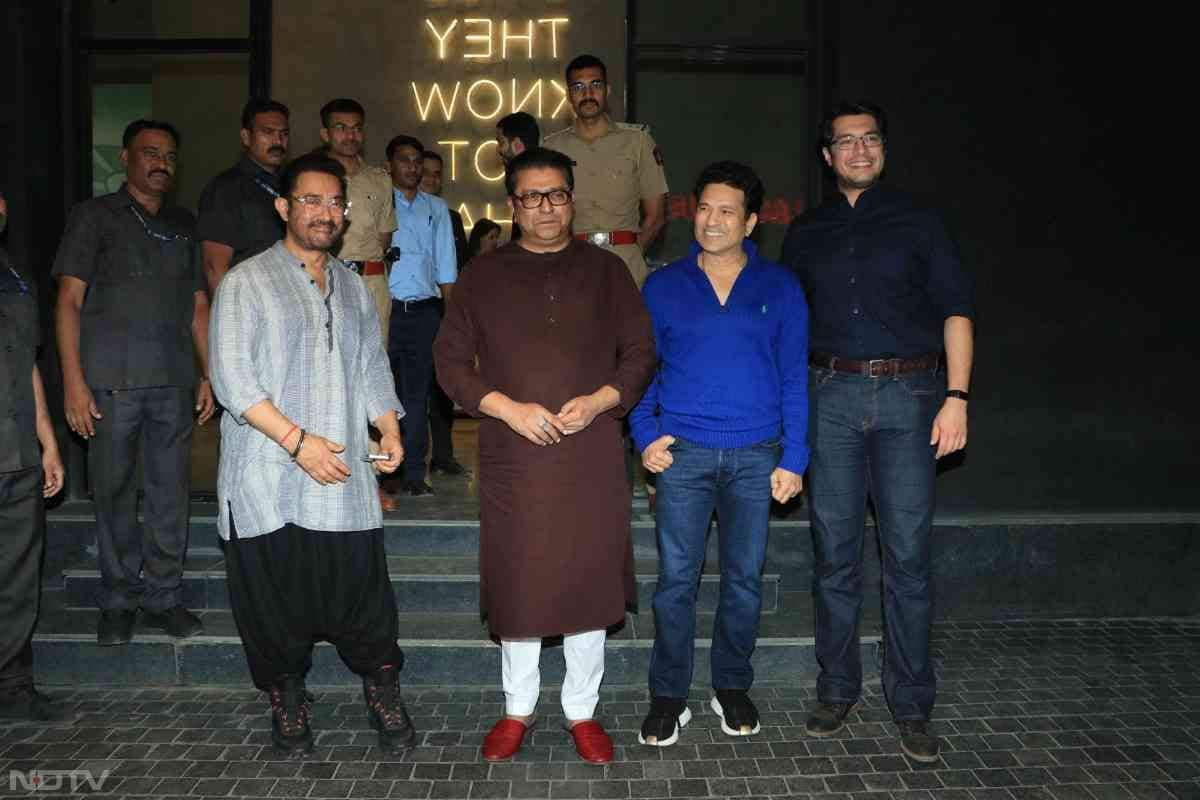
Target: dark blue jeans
column 870, row 437
column 737, row 485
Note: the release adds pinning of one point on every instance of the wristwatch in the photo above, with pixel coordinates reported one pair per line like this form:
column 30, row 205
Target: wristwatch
column 958, row 393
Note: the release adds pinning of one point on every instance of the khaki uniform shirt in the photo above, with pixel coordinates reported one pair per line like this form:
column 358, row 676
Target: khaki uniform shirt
column 370, row 194
column 612, row 175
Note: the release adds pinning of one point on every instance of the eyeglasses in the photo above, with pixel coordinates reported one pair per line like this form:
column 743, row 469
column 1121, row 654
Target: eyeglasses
column 557, row 197
column 312, row 202
column 153, row 234
column 579, row 87
column 847, row 142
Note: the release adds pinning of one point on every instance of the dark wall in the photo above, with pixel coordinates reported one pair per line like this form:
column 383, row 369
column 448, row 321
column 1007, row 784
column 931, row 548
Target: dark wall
column 1056, row 143
column 33, row 169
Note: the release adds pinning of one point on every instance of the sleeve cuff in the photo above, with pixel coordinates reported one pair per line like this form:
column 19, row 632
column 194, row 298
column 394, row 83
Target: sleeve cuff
column 795, row 460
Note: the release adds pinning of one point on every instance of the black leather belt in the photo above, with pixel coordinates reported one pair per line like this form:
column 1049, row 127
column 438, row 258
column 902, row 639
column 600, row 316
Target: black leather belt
column 876, row 367
column 409, row 305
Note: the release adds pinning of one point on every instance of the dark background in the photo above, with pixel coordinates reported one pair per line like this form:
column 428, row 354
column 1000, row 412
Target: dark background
column 1057, row 141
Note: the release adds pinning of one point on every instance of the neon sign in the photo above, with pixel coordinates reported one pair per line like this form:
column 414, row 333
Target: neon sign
column 468, row 103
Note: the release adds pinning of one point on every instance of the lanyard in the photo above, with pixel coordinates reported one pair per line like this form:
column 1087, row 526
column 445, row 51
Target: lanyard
column 269, row 189
column 24, row 287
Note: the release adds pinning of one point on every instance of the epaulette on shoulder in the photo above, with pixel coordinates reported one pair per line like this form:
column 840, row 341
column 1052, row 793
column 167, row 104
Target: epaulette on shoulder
column 633, row 126
column 550, row 136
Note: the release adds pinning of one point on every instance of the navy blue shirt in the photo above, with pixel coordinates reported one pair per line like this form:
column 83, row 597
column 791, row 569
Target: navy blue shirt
column 881, row 276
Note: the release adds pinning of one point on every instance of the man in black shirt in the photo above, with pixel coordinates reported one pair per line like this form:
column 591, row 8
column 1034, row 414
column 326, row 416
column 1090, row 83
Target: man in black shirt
column 132, row 323
column 237, row 208
column 27, row 474
column 887, row 295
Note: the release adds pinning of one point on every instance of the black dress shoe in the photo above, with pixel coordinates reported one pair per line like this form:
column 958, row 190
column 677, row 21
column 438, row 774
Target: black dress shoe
column 451, row 468
column 826, row 719
column 916, row 741
column 115, row 626
column 177, row 622
column 27, row 703
column 417, row 489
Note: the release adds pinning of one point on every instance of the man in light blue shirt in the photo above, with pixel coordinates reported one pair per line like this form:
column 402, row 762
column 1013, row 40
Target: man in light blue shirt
column 420, row 279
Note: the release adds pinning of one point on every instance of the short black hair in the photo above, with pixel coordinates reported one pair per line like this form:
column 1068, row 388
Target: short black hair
column 310, row 162
column 538, row 158
column 583, row 62
column 430, row 155
column 845, row 109
column 403, row 141
column 341, row 105
column 139, row 125
column 738, row 176
column 261, row 105
column 521, row 125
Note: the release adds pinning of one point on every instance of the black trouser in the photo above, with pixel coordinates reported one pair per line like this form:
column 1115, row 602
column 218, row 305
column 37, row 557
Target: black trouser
column 441, row 425
column 292, row 587
column 410, row 351
column 22, row 539
column 141, row 566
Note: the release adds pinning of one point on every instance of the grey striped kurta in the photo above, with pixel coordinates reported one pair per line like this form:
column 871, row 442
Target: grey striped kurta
column 321, row 361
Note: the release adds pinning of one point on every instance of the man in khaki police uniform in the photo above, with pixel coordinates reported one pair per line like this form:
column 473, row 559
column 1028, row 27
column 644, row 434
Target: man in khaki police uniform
column 369, row 190
column 369, row 220
column 618, row 170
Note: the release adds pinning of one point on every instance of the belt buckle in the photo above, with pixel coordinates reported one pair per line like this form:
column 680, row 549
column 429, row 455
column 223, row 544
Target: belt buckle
column 600, row 238
column 871, row 365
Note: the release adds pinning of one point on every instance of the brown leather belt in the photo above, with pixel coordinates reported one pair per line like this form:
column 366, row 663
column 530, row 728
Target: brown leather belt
column 876, row 367
column 601, row 238
column 365, row 268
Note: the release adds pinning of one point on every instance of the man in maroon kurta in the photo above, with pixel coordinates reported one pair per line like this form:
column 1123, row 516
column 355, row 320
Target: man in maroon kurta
column 565, row 348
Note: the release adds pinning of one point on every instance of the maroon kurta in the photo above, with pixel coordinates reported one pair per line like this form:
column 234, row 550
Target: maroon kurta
column 555, row 554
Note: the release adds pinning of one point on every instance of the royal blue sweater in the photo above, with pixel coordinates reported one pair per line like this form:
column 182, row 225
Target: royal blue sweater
column 728, row 376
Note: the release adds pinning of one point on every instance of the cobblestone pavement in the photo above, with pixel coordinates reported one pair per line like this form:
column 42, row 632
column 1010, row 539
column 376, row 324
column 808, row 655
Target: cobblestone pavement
column 1070, row 710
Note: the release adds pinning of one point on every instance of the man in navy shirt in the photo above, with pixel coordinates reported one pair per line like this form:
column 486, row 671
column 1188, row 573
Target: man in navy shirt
column 888, row 296
column 723, row 425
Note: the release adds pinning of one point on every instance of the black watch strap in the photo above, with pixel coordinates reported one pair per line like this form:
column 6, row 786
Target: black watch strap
column 959, row 393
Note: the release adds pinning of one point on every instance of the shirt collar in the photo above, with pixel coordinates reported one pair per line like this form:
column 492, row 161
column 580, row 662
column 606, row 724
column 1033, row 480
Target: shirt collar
column 250, row 167
column 402, row 200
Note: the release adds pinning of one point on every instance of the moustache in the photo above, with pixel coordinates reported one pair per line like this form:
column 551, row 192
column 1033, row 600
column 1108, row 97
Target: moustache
column 276, row 150
column 162, row 172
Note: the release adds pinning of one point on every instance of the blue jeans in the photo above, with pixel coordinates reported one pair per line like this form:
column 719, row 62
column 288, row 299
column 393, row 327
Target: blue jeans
column 737, row 485
column 870, row 437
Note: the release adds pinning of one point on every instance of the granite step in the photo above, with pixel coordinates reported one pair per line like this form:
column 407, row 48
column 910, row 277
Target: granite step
column 441, row 648
column 421, row 583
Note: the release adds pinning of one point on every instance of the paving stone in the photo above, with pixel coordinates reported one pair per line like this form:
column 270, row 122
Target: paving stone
column 1032, row 710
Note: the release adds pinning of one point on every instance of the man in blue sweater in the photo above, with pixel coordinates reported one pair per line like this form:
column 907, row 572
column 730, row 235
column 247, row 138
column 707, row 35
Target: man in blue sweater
column 724, row 425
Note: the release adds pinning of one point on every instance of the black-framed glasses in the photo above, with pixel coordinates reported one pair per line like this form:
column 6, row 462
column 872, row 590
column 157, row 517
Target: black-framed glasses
column 579, row 87
column 847, row 142
column 315, row 201
column 153, row 234
column 557, row 197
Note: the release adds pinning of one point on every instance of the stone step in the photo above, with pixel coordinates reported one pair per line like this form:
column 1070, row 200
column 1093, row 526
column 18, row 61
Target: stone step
column 420, row 583
column 440, row 649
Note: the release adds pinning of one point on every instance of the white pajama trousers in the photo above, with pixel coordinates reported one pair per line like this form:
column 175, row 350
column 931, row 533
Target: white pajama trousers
column 522, row 678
